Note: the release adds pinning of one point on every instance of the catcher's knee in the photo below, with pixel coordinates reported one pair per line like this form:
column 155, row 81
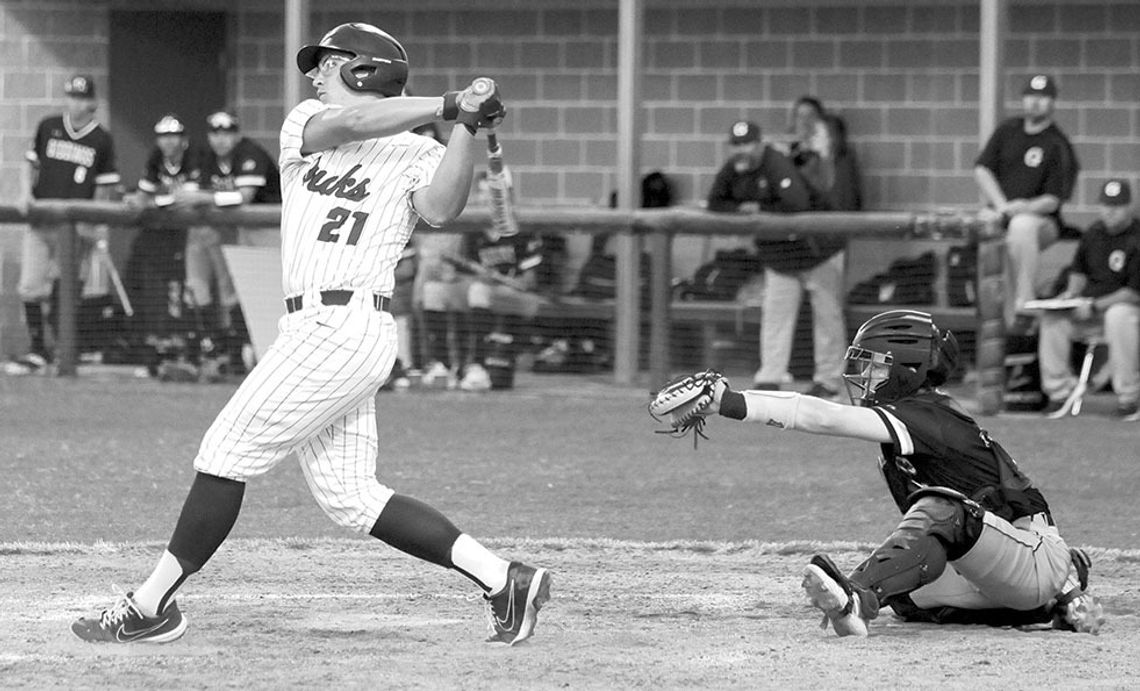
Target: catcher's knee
column 950, row 516
column 936, row 529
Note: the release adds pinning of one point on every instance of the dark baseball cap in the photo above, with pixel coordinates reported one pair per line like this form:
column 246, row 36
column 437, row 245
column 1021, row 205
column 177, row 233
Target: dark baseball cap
column 169, row 124
column 744, row 132
column 80, row 86
column 1040, row 84
column 1116, row 192
column 222, row 120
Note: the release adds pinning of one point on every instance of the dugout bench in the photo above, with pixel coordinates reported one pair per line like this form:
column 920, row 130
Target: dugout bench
column 711, row 316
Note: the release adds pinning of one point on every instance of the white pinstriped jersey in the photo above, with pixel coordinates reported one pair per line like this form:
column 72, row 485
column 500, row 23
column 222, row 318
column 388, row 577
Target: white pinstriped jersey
column 347, row 212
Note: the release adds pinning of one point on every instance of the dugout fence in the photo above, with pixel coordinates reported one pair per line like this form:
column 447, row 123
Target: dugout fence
column 636, row 235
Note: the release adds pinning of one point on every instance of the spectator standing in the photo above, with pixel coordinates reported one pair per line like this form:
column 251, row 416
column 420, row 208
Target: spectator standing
column 235, row 170
column 1026, row 171
column 759, row 178
column 1105, row 271
column 72, row 157
column 155, row 273
column 806, row 113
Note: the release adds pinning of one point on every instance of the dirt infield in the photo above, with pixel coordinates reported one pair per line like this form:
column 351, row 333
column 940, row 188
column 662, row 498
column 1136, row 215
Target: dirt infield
column 350, row 614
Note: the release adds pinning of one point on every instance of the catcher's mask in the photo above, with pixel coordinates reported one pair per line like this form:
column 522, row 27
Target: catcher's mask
column 896, row 353
column 378, row 62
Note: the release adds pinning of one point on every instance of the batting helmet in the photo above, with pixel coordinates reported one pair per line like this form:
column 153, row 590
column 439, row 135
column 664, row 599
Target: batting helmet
column 897, row 352
column 379, row 63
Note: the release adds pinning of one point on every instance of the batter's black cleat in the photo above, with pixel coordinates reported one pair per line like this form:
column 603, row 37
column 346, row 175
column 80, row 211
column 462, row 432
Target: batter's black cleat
column 122, row 622
column 831, row 592
column 513, row 611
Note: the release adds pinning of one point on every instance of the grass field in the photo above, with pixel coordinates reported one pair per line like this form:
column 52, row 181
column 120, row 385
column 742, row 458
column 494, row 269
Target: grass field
column 674, row 567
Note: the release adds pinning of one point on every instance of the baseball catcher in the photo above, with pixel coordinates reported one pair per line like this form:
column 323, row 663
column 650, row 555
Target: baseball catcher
column 977, row 542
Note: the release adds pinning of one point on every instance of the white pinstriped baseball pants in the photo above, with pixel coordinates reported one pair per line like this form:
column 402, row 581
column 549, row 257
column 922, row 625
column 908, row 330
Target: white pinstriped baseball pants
column 314, row 394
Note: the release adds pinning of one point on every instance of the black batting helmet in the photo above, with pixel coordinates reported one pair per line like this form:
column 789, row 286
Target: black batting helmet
column 379, row 63
column 886, row 341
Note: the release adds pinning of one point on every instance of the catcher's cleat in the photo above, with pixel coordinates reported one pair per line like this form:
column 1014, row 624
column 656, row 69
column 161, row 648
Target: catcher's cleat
column 830, row 591
column 513, row 611
column 122, row 622
column 1077, row 609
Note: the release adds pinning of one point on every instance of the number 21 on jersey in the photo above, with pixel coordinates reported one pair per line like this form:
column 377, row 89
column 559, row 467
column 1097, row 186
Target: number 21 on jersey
column 331, row 230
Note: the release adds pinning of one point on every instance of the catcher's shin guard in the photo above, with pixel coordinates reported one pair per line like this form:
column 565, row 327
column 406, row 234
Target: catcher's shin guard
column 935, row 529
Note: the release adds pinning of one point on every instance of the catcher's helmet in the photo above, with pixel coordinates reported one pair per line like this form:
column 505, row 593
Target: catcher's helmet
column 379, row 63
column 895, row 353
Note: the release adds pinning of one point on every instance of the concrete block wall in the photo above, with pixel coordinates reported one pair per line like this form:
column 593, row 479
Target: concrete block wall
column 904, row 74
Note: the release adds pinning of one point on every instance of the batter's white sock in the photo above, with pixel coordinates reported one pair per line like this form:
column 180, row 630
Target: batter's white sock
column 167, row 576
column 473, row 558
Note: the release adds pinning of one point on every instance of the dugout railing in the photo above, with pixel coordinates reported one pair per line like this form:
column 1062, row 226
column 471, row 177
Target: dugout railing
column 651, row 230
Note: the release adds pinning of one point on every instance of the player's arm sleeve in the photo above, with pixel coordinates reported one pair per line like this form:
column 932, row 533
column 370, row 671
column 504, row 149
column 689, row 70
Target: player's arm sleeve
column 253, row 171
column 419, row 174
column 911, row 428
column 719, row 198
column 293, row 133
column 988, row 157
column 106, row 172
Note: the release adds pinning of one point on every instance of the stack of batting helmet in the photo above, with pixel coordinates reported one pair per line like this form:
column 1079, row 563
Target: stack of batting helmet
column 378, row 62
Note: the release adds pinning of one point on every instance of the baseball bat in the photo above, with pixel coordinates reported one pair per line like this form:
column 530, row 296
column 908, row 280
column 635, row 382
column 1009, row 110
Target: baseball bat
column 502, row 211
column 103, row 256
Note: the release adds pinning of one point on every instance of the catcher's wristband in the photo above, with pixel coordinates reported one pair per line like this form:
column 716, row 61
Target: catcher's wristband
column 733, row 405
column 773, row 408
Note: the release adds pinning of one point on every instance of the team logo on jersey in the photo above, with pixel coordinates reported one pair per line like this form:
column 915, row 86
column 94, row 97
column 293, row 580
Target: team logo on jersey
column 344, row 186
column 1034, row 156
column 1116, row 261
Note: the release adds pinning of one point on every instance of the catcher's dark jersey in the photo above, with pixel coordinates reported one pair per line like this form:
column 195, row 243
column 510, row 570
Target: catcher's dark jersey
column 160, row 177
column 1109, row 262
column 1029, row 165
column 71, row 163
column 248, row 166
column 935, row 444
column 509, row 256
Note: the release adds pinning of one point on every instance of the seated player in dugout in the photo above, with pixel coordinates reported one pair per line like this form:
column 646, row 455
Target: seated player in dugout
column 483, row 297
column 977, row 542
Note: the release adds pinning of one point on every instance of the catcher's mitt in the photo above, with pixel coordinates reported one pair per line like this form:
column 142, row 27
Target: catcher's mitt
column 685, row 401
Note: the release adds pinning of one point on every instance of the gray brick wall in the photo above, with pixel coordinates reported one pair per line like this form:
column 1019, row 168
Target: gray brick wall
column 903, row 74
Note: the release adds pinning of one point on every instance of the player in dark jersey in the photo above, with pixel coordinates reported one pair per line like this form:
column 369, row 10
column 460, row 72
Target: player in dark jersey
column 1106, row 272
column 1026, row 171
column 977, row 541
column 155, row 273
column 491, row 291
column 235, row 170
column 72, row 157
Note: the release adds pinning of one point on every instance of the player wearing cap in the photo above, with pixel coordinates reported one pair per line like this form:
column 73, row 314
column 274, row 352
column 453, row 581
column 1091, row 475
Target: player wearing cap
column 356, row 182
column 757, row 177
column 1106, row 272
column 235, row 170
column 1026, row 171
column 154, row 275
column 72, row 157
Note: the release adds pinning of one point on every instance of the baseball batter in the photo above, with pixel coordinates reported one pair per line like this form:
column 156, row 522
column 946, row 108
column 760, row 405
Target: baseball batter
column 977, row 541
column 355, row 183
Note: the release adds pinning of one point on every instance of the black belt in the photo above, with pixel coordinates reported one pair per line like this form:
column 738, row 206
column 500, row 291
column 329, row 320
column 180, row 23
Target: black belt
column 336, row 297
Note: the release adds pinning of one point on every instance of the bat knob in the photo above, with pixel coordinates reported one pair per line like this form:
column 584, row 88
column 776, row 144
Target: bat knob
column 482, row 86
